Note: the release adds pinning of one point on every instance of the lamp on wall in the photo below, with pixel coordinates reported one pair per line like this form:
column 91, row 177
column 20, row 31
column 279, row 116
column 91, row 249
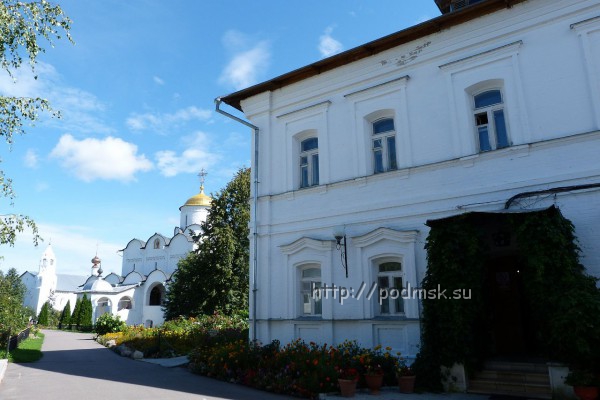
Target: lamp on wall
column 340, row 244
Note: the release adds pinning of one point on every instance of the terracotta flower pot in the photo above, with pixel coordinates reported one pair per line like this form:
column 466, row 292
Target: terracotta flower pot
column 374, row 382
column 406, row 384
column 586, row 392
column 347, row 387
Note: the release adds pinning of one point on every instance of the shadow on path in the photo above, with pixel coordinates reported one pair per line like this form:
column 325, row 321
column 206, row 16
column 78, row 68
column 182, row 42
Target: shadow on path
column 91, row 371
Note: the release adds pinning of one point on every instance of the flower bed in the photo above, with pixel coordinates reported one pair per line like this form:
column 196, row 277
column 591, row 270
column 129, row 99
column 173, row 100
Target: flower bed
column 297, row 368
column 180, row 336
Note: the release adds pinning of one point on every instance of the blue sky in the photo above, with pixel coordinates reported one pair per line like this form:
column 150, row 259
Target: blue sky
column 136, row 93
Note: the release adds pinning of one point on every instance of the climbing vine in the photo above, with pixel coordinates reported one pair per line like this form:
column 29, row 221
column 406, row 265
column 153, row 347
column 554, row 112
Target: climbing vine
column 564, row 300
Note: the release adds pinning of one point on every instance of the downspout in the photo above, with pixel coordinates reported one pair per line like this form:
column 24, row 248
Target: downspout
column 255, row 205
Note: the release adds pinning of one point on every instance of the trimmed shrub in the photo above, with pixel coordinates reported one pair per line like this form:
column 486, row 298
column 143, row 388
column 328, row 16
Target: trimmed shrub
column 108, row 323
column 65, row 316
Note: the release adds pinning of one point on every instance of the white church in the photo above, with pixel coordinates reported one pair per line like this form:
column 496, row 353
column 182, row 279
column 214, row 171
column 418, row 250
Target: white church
column 137, row 294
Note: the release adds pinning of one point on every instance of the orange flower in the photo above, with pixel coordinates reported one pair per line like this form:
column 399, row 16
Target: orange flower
column 316, row 362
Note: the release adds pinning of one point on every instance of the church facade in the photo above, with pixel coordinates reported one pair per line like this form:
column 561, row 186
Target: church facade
column 137, row 293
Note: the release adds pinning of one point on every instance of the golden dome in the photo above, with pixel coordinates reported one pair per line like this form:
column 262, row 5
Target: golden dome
column 199, row 200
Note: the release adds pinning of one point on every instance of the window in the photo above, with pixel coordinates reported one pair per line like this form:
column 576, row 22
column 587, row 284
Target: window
column 156, row 244
column 309, row 162
column 389, row 277
column 124, row 304
column 310, row 284
column 384, row 146
column 156, row 295
column 490, row 122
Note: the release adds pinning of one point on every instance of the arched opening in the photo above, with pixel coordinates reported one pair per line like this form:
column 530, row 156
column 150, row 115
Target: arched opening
column 125, row 303
column 157, row 294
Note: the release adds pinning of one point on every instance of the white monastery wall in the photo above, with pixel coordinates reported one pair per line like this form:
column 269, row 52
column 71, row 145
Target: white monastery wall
column 545, row 58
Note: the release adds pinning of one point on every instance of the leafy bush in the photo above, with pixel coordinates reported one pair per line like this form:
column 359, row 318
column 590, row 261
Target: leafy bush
column 108, row 323
column 180, row 336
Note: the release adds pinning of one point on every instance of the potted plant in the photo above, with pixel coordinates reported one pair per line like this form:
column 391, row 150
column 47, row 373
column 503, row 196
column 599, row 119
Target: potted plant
column 406, row 378
column 374, row 378
column 347, row 379
column 585, row 383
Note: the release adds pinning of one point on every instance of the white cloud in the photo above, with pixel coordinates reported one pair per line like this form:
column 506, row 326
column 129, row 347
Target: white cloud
column 158, row 80
column 248, row 61
column 31, row 159
column 328, row 46
column 108, row 159
column 80, row 110
column 162, row 123
column 193, row 158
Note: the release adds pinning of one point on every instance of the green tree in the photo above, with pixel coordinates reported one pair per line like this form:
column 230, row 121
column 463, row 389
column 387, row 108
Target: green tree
column 85, row 314
column 13, row 316
column 215, row 277
column 65, row 316
column 43, row 315
column 76, row 313
column 23, row 25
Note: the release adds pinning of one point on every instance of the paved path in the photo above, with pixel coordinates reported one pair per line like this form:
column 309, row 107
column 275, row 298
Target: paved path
column 74, row 367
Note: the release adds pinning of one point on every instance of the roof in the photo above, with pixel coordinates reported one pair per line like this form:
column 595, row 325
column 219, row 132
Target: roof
column 69, row 283
column 369, row 49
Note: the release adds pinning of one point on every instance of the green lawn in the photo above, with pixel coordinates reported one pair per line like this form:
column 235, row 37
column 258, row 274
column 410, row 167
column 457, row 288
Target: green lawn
column 29, row 350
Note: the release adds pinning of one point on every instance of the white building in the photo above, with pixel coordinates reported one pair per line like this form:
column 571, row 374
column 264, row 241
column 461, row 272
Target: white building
column 456, row 114
column 138, row 292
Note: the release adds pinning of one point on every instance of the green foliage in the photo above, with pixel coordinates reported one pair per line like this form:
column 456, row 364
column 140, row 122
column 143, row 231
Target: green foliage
column 180, row 336
column 108, row 323
column 84, row 322
column 65, row 316
column 22, row 26
column 215, row 277
column 29, row 350
column 42, row 318
column 564, row 301
column 13, row 316
column 451, row 329
column 76, row 316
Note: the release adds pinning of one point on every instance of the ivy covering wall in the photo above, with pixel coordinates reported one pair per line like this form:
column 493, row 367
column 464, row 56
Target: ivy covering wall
column 564, row 301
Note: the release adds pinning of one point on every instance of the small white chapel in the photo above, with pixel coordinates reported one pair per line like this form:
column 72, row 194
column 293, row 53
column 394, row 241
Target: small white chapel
column 137, row 294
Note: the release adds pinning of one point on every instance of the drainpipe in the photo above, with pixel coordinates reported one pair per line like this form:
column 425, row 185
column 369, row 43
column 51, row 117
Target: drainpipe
column 255, row 204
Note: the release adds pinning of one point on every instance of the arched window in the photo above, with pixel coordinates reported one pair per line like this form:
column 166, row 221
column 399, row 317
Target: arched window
column 309, row 162
column 157, row 243
column 310, row 290
column 103, row 306
column 156, row 295
column 390, row 285
column 490, row 121
column 124, row 304
column 384, row 146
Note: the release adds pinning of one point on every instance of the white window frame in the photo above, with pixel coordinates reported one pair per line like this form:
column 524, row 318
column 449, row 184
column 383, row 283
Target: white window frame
column 306, row 288
column 309, row 163
column 388, row 152
column 395, row 307
column 490, row 125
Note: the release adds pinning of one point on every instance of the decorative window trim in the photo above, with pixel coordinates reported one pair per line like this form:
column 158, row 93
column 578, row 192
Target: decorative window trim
column 302, row 252
column 584, row 29
column 387, row 99
column 484, row 56
column 502, row 64
column 387, row 244
column 402, row 80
